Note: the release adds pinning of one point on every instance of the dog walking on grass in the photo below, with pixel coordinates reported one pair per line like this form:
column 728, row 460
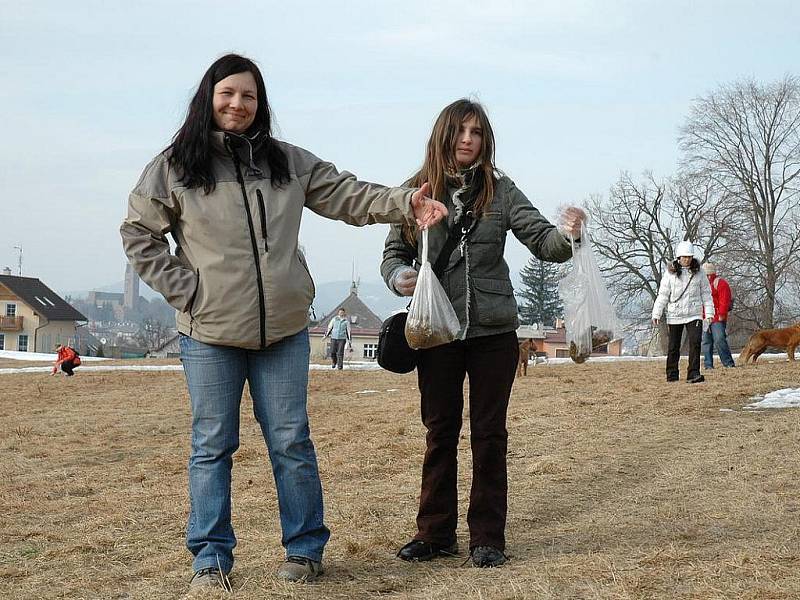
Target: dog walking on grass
column 527, row 348
column 787, row 337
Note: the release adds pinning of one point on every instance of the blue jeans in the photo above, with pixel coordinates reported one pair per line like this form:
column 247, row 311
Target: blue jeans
column 716, row 337
column 278, row 380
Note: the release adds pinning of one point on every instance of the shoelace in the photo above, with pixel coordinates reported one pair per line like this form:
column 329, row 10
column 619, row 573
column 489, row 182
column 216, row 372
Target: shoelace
column 306, row 562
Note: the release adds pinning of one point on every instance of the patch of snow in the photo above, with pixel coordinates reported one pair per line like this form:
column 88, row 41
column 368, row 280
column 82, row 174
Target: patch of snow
column 368, row 392
column 81, row 369
column 350, row 365
column 358, row 366
column 39, row 356
column 785, row 398
column 726, row 410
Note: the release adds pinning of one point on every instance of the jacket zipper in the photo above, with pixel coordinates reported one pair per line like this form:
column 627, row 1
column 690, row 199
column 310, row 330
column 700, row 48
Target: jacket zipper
column 263, row 213
column 256, row 258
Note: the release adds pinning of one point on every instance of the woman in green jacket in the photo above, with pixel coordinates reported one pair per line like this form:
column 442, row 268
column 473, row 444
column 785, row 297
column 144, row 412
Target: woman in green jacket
column 467, row 256
column 231, row 197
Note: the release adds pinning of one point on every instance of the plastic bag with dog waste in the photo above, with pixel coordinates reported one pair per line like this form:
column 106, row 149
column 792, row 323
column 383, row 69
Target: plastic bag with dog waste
column 588, row 313
column 431, row 319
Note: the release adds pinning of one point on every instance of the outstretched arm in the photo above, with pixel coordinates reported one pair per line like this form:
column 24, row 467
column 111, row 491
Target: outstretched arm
column 531, row 228
column 343, row 197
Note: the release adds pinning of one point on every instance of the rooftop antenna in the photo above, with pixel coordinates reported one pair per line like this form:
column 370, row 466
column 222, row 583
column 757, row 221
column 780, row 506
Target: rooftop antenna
column 19, row 260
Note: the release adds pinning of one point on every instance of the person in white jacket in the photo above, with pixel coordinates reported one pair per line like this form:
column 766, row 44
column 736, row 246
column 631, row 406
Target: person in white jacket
column 684, row 292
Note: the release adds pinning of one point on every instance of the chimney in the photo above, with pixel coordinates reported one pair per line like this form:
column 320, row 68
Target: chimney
column 7, row 271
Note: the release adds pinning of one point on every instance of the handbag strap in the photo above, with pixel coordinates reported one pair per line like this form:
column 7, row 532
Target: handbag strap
column 457, row 234
column 688, row 283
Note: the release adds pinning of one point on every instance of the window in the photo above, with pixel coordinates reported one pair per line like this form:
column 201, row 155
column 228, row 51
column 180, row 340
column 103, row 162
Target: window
column 2, row 342
column 370, row 351
column 22, row 343
column 11, row 310
column 562, row 352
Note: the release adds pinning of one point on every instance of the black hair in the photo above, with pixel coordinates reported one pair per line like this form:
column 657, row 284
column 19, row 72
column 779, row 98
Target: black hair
column 191, row 144
column 675, row 266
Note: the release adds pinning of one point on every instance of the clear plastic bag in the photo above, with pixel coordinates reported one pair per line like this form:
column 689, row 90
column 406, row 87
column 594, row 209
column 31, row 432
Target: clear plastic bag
column 431, row 319
column 588, row 313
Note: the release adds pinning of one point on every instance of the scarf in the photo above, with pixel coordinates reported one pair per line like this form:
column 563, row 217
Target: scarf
column 470, row 185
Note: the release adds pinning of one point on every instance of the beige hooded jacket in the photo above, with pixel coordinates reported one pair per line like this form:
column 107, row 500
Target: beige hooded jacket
column 237, row 276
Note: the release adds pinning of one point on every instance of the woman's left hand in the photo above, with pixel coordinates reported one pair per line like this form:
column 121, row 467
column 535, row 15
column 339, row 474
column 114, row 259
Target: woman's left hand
column 571, row 220
column 427, row 211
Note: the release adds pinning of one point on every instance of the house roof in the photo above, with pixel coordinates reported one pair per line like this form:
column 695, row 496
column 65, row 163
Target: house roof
column 559, row 336
column 41, row 298
column 362, row 320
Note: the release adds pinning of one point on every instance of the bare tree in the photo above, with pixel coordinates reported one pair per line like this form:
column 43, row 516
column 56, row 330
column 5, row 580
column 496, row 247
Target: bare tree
column 152, row 334
column 745, row 139
column 636, row 229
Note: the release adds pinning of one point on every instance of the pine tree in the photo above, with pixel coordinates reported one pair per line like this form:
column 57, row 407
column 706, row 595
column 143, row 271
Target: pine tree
column 539, row 301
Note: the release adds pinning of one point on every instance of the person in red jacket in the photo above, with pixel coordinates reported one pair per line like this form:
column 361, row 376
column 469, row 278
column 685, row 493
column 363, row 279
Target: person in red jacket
column 67, row 360
column 716, row 336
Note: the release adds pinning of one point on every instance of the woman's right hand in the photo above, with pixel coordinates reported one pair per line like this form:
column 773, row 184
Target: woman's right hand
column 406, row 281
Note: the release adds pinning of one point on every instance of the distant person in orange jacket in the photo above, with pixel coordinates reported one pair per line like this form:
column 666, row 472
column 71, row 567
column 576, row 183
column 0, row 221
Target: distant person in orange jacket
column 67, row 360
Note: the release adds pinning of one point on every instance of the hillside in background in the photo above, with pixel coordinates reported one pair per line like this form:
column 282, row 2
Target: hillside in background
column 330, row 293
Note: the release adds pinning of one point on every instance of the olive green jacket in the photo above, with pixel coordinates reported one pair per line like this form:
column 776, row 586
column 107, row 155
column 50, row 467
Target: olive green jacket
column 487, row 288
column 237, row 276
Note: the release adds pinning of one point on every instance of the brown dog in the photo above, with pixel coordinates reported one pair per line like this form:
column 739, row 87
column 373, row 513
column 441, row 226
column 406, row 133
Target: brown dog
column 788, row 337
column 526, row 349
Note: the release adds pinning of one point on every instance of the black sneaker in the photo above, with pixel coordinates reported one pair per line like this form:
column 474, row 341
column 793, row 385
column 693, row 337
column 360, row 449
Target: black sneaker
column 672, row 379
column 696, row 379
column 419, row 551
column 487, row 557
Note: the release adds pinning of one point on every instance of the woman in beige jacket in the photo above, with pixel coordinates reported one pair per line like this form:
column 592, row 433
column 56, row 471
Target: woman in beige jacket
column 232, row 198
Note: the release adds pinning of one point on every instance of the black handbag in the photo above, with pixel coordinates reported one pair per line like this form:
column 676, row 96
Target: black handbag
column 394, row 353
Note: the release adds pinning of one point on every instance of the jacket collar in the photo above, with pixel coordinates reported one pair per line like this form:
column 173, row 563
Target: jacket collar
column 244, row 147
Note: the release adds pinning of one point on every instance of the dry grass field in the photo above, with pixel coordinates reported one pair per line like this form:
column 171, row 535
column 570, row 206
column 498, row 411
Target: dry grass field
column 621, row 486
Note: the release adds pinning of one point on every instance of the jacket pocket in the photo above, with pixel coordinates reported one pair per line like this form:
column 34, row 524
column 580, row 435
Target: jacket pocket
column 302, row 260
column 190, row 306
column 494, row 300
column 489, row 229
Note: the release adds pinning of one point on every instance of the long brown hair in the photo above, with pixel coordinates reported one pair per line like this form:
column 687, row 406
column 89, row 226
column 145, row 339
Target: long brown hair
column 440, row 155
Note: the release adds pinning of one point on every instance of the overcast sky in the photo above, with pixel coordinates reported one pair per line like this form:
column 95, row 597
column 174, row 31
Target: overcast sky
column 576, row 91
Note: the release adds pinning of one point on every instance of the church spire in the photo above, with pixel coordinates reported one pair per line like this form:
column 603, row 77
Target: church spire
column 354, row 280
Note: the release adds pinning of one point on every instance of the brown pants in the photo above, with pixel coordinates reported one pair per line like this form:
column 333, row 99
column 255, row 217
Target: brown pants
column 491, row 363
